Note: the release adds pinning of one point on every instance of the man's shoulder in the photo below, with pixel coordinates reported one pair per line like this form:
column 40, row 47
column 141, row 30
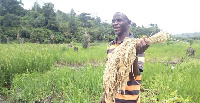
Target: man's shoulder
column 113, row 42
column 110, row 44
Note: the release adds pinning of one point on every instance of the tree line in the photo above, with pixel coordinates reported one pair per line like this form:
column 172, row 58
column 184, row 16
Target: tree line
column 42, row 24
column 194, row 36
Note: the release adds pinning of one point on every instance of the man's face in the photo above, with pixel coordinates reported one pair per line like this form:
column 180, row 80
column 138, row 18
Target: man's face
column 120, row 23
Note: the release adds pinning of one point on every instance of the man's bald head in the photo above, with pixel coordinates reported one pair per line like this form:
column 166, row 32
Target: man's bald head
column 122, row 14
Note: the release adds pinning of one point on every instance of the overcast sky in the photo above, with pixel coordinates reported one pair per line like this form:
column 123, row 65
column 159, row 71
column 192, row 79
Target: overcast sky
column 174, row 16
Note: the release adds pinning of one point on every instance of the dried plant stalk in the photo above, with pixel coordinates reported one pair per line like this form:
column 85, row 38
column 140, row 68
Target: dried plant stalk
column 159, row 37
column 116, row 73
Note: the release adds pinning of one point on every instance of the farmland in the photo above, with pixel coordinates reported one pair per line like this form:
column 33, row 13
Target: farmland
column 57, row 73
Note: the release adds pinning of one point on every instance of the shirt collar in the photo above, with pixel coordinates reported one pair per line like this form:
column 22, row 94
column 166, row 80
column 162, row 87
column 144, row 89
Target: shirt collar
column 116, row 39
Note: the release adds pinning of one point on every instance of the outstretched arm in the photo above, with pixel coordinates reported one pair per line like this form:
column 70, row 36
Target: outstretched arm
column 142, row 44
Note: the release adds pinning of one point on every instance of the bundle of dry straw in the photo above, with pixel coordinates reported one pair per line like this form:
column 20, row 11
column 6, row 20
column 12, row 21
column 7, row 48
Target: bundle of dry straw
column 116, row 73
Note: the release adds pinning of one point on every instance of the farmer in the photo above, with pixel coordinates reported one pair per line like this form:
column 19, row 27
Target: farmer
column 121, row 25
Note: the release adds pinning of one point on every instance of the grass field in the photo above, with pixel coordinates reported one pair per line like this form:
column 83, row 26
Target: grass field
column 56, row 73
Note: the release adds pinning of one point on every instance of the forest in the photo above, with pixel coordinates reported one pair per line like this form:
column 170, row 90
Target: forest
column 42, row 24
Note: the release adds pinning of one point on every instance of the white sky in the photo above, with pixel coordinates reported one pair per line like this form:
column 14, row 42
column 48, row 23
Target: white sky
column 174, row 16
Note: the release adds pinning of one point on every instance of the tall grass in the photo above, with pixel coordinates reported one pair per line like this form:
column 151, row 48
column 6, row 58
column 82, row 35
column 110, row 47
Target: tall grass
column 165, row 82
column 37, row 78
column 81, row 85
column 178, row 84
column 16, row 59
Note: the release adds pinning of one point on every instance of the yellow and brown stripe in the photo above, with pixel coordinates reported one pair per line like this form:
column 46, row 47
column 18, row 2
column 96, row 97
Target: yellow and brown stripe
column 131, row 94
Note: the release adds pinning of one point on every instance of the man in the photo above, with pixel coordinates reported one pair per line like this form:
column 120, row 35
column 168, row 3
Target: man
column 121, row 25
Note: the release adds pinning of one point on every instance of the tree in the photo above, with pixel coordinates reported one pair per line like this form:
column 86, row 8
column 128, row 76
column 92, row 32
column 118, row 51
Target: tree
column 39, row 35
column 133, row 24
column 11, row 7
column 61, row 16
column 72, row 13
column 141, row 31
column 39, row 23
column 11, row 20
column 50, row 16
column 85, row 19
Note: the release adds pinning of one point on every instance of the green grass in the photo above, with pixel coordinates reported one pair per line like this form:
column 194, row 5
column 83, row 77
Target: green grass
column 161, row 82
column 164, row 52
column 95, row 53
column 58, row 74
column 16, row 59
column 61, row 85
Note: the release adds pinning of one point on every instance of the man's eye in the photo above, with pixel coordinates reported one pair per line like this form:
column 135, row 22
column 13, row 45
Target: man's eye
column 119, row 20
column 113, row 21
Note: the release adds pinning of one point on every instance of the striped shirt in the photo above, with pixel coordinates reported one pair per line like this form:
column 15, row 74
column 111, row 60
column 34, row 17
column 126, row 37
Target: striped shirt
column 132, row 89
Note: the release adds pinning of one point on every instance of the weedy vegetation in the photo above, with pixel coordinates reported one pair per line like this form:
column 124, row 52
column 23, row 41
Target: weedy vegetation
column 56, row 73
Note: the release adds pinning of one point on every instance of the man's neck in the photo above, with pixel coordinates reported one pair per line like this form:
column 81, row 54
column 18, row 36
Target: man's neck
column 120, row 38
